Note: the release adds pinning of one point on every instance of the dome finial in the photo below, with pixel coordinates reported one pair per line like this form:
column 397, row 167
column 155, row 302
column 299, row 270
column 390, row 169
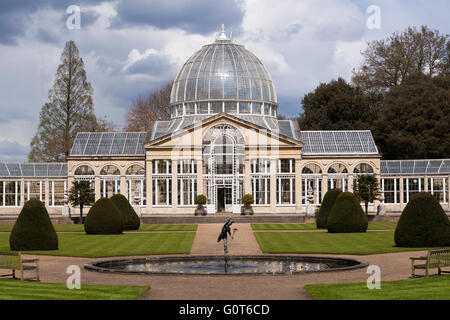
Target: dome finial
column 223, row 35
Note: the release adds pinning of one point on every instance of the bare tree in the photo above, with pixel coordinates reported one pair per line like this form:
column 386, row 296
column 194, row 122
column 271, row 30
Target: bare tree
column 145, row 111
column 389, row 61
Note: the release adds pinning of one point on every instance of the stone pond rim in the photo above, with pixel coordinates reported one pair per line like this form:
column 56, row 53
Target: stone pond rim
column 114, row 266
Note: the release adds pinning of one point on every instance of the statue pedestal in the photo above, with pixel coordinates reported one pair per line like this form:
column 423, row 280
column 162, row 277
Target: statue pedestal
column 310, row 210
column 65, row 211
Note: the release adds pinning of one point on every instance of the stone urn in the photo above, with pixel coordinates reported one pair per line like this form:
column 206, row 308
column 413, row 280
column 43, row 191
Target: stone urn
column 247, row 210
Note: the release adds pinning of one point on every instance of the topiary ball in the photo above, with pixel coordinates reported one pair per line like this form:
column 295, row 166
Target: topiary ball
column 346, row 215
column 131, row 219
column 104, row 218
column 423, row 223
column 325, row 208
column 33, row 229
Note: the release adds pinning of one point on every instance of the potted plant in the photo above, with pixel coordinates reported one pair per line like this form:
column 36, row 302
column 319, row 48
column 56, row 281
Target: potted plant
column 247, row 200
column 200, row 201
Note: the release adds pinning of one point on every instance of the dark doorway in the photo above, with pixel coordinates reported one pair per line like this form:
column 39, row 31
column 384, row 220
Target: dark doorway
column 220, row 199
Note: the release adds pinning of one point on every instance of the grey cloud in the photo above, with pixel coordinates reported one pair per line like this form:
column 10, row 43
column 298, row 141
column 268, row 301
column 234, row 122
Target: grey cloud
column 199, row 16
column 154, row 64
column 12, row 151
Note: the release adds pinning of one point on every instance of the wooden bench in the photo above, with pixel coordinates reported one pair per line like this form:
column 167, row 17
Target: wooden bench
column 13, row 260
column 435, row 259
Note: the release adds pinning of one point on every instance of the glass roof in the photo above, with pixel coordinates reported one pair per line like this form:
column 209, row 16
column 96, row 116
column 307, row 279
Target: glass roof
column 415, row 167
column 338, row 142
column 108, row 143
column 223, row 70
column 33, row 170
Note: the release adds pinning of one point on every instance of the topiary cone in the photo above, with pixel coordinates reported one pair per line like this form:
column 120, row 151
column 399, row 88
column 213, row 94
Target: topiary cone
column 33, row 229
column 423, row 223
column 104, row 218
column 131, row 219
column 347, row 215
column 326, row 206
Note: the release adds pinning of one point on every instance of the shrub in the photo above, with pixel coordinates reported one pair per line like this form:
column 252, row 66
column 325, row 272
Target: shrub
column 130, row 218
column 347, row 215
column 104, row 218
column 423, row 223
column 247, row 199
column 325, row 208
column 200, row 200
column 33, row 229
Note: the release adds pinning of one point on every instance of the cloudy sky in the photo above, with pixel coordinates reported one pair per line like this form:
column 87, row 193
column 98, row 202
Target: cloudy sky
column 132, row 47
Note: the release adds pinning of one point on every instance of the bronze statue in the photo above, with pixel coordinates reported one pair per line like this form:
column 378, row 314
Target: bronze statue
column 226, row 230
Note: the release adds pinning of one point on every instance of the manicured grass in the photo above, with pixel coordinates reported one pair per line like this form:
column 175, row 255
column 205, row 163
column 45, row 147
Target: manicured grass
column 323, row 242
column 431, row 288
column 312, row 226
column 26, row 290
column 82, row 245
column 143, row 227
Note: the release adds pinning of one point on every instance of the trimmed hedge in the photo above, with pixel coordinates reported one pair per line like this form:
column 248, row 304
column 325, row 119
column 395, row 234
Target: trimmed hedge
column 325, row 208
column 423, row 223
column 33, row 229
column 347, row 215
column 131, row 219
column 104, row 218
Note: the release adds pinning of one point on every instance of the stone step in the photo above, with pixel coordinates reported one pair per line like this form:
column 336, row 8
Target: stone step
column 179, row 219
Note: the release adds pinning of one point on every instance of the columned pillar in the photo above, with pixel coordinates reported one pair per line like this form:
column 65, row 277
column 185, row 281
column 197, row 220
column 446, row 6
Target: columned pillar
column 148, row 178
column 298, row 185
column 448, row 191
column 402, row 201
column 247, row 179
column 123, row 186
column 174, row 184
column 22, row 192
column 46, row 192
column 200, row 177
column 324, row 184
column 425, row 184
column 273, row 183
column 97, row 187
column 350, row 182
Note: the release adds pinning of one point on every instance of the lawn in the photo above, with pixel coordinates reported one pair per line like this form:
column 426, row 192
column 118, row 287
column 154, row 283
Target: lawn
column 431, row 288
column 323, row 242
column 26, row 290
column 82, row 245
column 143, row 227
column 312, row 226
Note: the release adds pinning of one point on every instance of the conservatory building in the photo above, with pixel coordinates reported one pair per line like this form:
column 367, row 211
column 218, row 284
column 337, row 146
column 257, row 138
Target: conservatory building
column 223, row 140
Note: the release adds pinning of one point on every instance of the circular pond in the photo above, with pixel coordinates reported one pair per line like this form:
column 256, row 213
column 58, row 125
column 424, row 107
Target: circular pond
column 212, row 265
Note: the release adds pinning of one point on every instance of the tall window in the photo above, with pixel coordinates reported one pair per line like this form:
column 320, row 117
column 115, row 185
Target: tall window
column 261, row 189
column 34, row 190
column 412, row 186
column 260, row 166
column 57, row 191
column 391, row 190
column 136, row 187
column 187, row 190
column 162, row 182
column 10, row 193
column 187, row 166
column 438, row 188
column 312, row 181
column 286, row 166
column 85, row 173
column 286, row 190
column 338, row 177
column 109, row 181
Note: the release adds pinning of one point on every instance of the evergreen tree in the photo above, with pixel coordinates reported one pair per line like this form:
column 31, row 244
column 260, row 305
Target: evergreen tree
column 70, row 109
column 338, row 105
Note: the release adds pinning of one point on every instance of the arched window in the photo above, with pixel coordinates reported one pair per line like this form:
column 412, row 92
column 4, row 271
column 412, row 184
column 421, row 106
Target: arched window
column 110, row 170
column 363, row 168
column 135, row 170
column 84, row 171
column 337, row 168
column 312, row 169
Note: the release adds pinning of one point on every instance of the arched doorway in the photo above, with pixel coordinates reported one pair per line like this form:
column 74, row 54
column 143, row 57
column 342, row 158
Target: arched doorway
column 223, row 156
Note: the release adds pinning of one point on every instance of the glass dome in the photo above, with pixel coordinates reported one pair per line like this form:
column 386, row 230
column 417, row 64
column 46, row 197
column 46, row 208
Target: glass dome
column 223, row 77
